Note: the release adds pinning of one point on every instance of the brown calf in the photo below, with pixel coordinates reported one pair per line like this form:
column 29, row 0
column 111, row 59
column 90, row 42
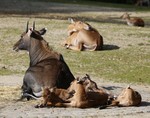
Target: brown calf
column 134, row 21
column 75, row 96
column 128, row 97
column 90, row 86
column 52, row 98
column 83, row 99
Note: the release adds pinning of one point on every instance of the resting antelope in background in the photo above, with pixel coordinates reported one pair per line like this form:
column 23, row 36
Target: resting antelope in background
column 142, row 3
column 134, row 21
column 82, row 36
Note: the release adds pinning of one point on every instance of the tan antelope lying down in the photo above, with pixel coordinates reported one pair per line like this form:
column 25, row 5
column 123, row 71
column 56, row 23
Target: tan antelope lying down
column 142, row 3
column 128, row 97
column 134, row 21
column 82, row 36
column 76, row 96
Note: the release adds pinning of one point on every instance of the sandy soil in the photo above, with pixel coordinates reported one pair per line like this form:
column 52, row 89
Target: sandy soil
column 10, row 107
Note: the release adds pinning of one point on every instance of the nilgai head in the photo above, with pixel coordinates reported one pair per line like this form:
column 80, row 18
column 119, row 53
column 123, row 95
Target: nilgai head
column 24, row 42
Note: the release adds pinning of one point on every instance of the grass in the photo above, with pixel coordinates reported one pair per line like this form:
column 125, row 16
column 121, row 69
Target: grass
column 130, row 63
column 118, row 65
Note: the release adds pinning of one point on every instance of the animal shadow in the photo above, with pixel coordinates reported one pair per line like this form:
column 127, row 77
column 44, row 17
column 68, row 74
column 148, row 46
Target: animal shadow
column 111, row 87
column 145, row 103
column 110, row 47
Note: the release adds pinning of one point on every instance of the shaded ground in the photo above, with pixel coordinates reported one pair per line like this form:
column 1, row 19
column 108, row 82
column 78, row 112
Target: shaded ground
column 39, row 9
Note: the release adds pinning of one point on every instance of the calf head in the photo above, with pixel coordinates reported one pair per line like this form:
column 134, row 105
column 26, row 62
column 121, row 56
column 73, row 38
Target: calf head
column 88, row 83
column 129, row 97
column 74, row 84
column 125, row 16
column 23, row 43
column 77, row 26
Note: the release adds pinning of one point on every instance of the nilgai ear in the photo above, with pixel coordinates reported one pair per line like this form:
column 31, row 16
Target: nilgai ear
column 71, row 20
column 29, row 32
column 42, row 31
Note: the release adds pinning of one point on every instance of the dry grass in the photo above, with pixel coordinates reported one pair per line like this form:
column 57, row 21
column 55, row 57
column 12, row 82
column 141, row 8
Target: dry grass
column 9, row 93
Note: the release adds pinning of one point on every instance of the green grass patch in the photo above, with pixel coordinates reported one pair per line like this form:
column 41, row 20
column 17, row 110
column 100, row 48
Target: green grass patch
column 118, row 65
column 9, row 72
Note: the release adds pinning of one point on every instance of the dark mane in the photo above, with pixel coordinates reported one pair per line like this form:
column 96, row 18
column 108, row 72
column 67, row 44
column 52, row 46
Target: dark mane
column 36, row 35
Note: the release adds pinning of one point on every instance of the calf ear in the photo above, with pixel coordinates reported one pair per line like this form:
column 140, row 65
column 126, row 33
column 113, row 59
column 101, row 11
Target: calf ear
column 87, row 75
column 78, row 79
column 128, row 87
column 71, row 20
column 87, row 28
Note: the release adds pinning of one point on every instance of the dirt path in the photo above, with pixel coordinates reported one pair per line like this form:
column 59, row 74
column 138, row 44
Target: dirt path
column 11, row 108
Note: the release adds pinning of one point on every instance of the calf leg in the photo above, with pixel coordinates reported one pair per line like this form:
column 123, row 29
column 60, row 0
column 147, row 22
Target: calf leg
column 76, row 48
column 114, row 103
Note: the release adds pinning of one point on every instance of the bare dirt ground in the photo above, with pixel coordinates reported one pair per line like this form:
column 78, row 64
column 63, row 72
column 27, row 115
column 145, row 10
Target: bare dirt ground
column 10, row 85
column 10, row 107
